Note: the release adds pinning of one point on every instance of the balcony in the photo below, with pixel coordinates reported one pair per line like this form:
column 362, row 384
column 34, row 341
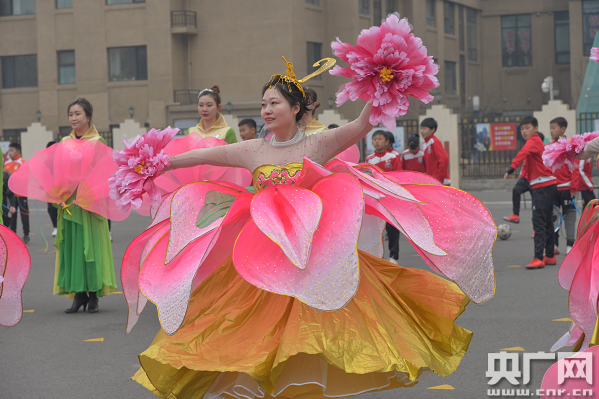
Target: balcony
column 184, row 22
column 185, row 97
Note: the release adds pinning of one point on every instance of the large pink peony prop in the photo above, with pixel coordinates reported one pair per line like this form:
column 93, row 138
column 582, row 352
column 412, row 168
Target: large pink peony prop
column 595, row 54
column 563, row 152
column 387, row 65
column 142, row 161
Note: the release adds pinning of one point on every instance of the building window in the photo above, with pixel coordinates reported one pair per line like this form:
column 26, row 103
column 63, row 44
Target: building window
column 451, row 84
column 449, row 17
column 364, row 6
column 562, row 37
column 66, row 67
column 377, row 11
column 17, row 7
column 472, row 34
column 430, row 13
column 314, row 55
column 516, row 40
column 12, row 135
column 127, row 63
column 113, row 2
column 391, row 6
column 64, row 3
column 313, row 2
column 19, row 71
column 590, row 24
column 461, row 28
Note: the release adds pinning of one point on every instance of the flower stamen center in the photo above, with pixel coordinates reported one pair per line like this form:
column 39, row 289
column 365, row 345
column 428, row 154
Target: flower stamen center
column 140, row 167
column 386, row 74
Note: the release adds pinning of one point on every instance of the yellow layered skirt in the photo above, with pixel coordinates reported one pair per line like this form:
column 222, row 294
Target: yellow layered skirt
column 238, row 341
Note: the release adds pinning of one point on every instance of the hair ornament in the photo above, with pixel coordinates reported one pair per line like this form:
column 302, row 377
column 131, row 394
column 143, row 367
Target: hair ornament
column 289, row 77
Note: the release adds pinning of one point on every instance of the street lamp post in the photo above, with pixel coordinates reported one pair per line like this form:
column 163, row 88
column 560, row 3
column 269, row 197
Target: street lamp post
column 38, row 115
column 131, row 112
column 330, row 102
column 547, row 87
column 229, row 107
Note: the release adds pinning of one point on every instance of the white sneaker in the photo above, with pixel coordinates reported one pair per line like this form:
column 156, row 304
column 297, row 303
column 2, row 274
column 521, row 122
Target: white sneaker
column 568, row 249
column 54, row 232
column 110, row 236
column 394, row 261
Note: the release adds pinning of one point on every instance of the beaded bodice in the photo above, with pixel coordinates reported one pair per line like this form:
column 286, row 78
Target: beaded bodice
column 271, row 175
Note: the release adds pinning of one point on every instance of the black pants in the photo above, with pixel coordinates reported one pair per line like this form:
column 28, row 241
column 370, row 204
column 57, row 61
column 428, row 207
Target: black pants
column 587, row 196
column 542, row 220
column 393, row 235
column 563, row 200
column 520, row 188
column 24, row 208
column 53, row 212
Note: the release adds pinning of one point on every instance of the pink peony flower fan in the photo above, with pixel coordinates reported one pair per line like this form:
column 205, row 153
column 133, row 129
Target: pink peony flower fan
column 388, row 64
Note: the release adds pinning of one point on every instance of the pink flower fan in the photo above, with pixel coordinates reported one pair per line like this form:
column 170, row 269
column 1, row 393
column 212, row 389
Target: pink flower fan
column 142, row 161
column 595, row 54
column 562, row 153
column 387, row 64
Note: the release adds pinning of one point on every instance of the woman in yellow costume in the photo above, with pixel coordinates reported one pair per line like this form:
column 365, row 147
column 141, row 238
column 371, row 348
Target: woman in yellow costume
column 212, row 123
column 84, row 263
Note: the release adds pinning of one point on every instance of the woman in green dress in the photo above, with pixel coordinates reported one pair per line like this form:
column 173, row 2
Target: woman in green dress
column 84, row 263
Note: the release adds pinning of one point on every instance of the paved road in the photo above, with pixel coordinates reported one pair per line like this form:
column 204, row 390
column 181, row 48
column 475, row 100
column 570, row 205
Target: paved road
column 47, row 355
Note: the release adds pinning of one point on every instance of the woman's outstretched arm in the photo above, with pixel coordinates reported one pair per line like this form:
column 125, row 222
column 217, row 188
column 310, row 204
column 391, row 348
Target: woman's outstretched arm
column 224, row 155
column 592, row 148
column 341, row 138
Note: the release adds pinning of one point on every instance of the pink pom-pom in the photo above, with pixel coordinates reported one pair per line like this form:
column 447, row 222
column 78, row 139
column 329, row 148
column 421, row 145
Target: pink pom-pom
column 142, row 161
column 387, row 64
column 595, row 54
column 562, row 153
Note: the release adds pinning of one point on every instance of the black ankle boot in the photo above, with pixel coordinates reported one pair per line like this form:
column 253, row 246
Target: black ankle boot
column 80, row 300
column 93, row 303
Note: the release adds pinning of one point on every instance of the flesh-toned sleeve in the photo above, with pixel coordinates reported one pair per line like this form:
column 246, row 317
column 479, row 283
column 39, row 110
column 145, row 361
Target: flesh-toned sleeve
column 224, row 155
column 592, row 148
column 337, row 140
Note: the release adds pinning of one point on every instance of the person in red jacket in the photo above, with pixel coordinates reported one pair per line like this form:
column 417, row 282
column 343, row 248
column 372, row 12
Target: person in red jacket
column 388, row 161
column 544, row 190
column 585, row 181
column 436, row 159
column 567, row 184
column 413, row 157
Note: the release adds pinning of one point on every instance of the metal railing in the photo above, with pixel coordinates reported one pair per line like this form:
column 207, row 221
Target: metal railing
column 477, row 162
column 185, row 97
column 586, row 122
column 184, row 18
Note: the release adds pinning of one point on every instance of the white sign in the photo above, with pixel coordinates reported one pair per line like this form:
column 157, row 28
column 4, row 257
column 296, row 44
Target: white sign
column 398, row 133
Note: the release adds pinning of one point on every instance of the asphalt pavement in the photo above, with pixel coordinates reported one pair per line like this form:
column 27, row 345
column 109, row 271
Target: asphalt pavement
column 53, row 355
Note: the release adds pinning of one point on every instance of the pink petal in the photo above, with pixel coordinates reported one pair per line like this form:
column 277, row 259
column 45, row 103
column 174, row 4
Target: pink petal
column 331, row 277
column 289, row 216
column 15, row 264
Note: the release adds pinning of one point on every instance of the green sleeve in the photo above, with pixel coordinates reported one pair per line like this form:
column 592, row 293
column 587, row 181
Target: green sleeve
column 186, row 132
column 101, row 139
column 230, row 137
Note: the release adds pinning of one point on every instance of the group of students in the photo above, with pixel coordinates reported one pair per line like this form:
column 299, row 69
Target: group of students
column 548, row 190
column 431, row 159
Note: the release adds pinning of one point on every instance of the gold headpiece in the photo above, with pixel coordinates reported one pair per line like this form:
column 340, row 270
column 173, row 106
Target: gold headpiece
column 289, row 78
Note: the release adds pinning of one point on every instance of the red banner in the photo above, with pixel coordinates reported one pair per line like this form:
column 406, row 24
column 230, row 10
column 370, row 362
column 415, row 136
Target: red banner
column 503, row 136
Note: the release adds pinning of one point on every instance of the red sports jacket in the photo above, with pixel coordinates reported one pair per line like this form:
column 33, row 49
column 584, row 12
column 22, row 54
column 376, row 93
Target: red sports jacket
column 387, row 161
column 415, row 162
column 538, row 174
column 436, row 160
column 566, row 179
